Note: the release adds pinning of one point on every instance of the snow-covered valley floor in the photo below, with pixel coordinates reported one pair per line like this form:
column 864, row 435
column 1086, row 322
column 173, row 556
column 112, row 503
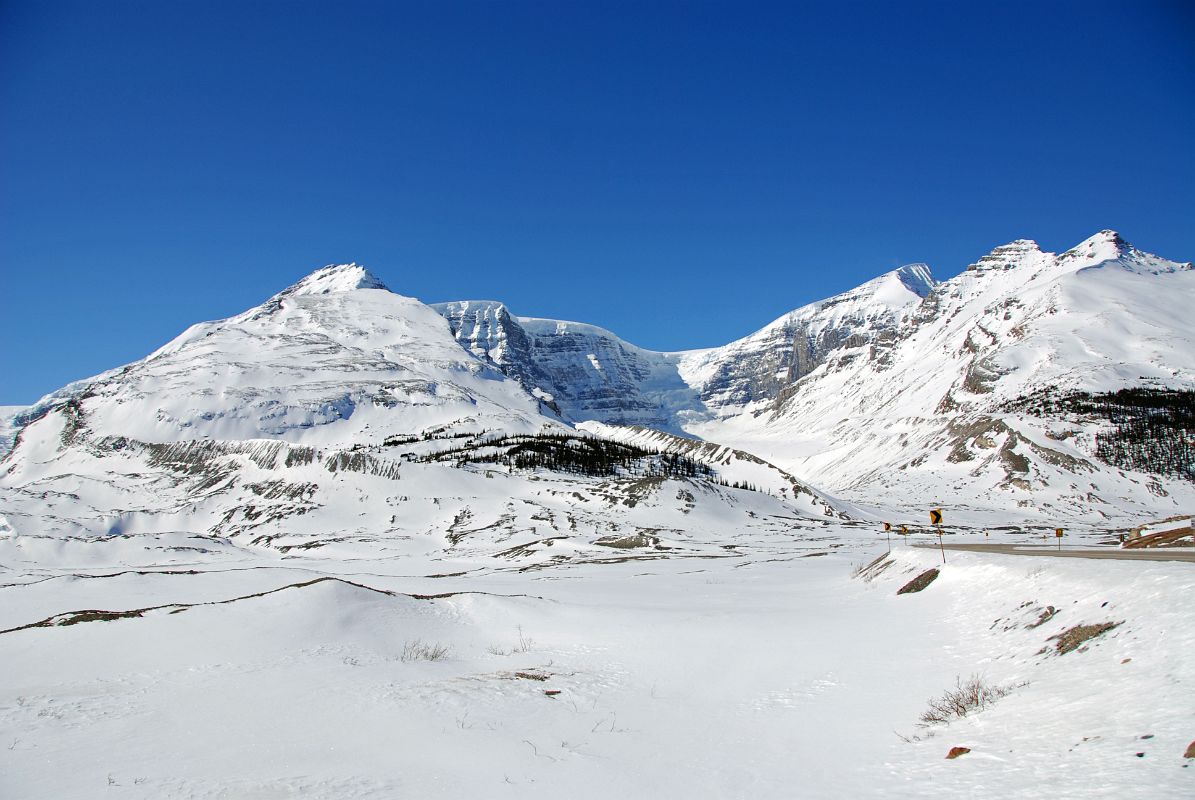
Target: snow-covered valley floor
column 770, row 672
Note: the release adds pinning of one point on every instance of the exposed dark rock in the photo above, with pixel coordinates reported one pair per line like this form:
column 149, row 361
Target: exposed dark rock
column 628, row 542
column 920, row 582
column 1072, row 638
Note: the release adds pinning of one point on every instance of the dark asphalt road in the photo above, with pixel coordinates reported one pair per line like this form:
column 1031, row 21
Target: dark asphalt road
column 1151, row 554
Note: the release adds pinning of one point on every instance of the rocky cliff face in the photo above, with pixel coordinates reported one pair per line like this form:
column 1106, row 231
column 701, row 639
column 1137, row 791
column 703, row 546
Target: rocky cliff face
column 752, row 372
column 592, row 374
column 581, row 371
column 488, row 330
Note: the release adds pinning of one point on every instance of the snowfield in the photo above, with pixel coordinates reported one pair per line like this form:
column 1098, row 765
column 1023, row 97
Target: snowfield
column 766, row 671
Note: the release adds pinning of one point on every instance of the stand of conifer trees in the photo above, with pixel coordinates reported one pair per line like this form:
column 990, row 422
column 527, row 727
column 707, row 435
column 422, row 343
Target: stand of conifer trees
column 1152, row 430
column 579, row 455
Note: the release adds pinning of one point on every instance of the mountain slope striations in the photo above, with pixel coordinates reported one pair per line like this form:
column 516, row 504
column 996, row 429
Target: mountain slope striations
column 943, row 413
column 582, row 371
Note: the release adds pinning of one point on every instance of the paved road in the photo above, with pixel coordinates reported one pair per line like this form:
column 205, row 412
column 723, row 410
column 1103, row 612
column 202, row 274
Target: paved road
column 1150, row 554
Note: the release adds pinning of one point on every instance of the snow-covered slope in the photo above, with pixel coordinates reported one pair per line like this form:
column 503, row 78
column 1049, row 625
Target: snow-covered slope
column 339, row 411
column 736, row 467
column 762, row 671
column 750, row 373
column 334, row 358
column 940, row 416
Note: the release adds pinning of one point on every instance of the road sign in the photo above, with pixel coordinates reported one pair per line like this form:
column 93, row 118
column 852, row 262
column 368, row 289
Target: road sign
column 1058, row 532
column 887, row 526
column 935, row 516
column 904, row 529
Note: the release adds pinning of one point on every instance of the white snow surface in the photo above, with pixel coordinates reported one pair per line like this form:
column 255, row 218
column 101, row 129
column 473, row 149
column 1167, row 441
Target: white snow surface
column 764, row 672
column 223, row 567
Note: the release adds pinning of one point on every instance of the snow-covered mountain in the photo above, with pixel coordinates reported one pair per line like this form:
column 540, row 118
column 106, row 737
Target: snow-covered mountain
column 338, row 411
column 592, row 374
column 989, row 393
column 337, row 357
column 950, row 411
column 905, row 391
column 752, row 372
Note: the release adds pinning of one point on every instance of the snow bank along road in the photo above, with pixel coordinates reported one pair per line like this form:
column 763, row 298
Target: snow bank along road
column 767, row 672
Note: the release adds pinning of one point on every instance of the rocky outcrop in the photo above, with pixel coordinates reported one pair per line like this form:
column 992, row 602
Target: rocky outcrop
column 919, row 583
column 762, row 368
column 581, row 372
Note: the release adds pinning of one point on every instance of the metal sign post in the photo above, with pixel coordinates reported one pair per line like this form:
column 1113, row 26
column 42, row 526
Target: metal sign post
column 935, row 517
column 888, row 530
column 1058, row 536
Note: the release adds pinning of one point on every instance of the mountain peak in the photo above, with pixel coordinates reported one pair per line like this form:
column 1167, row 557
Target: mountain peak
column 1108, row 248
column 336, row 278
column 1106, row 244
column 1007, row 256
column 1109, row 236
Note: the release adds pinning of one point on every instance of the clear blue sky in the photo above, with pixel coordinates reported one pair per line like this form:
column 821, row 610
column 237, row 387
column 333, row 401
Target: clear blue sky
column 681, row 173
